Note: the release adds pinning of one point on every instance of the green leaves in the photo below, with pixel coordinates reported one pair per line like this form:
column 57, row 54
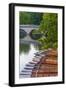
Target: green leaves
column 34, row 34
column 30, row 18
column 49, row 27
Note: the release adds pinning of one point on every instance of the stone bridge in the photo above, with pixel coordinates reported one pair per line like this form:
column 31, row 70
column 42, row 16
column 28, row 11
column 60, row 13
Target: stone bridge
column 28, row 28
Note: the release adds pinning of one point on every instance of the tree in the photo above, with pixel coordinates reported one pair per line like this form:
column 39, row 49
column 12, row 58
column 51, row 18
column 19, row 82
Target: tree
column 34, row 34
column 49, row 28
column 30, row 18
column 24, row 18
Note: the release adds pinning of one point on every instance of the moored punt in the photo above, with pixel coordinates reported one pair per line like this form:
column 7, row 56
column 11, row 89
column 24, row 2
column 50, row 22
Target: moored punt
column 25, row 76
column 29, row 65
column 51, row 61
column 35, row 60
column 48, row 65
column 26, row 73
column 37, row 57
column 43, row 65
column 41, row 52
column 33, row 63
column 28, row 68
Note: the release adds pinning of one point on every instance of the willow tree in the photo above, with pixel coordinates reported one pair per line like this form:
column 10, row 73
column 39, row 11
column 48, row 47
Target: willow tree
column 49, row 28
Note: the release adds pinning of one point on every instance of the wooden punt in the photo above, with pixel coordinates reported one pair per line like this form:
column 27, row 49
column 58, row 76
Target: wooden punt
column 43, row 65
column 47, row 66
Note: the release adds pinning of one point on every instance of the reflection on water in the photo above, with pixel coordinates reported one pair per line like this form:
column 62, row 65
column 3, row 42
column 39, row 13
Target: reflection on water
column 27, row 51
column 24, row 48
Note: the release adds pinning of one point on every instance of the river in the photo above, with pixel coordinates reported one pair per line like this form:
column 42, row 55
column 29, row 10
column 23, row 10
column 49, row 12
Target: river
column 28, row 48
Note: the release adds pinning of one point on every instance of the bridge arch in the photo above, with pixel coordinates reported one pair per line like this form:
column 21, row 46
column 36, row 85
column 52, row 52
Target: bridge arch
column 23, row 33
column 28, row 28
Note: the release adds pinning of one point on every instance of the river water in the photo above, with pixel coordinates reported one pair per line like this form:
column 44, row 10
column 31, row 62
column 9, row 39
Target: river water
column 27, row 53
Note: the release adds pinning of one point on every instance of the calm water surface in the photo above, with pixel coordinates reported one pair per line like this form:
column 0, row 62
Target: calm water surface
column 27, row 50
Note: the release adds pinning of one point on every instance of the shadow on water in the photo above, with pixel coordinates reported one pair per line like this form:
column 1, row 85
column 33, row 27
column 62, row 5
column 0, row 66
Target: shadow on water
column 24, row 48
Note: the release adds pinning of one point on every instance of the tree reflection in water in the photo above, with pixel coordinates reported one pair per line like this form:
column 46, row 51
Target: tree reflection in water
column 24, row 48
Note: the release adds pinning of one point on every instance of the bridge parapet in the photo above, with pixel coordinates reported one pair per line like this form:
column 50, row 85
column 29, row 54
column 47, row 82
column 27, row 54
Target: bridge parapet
column 29, row 26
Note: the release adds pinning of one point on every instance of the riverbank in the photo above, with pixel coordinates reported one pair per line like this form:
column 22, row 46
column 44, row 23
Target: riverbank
column 48, row 64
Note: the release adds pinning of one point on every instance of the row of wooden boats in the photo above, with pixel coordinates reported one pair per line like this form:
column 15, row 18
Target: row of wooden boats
column 44, row 64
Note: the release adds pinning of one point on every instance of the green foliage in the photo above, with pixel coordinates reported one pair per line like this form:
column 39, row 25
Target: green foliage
column 24, row 18
column 47, row 34
column 55, row 45
column 48, row 26
column 34, row 34
column 30, row 18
